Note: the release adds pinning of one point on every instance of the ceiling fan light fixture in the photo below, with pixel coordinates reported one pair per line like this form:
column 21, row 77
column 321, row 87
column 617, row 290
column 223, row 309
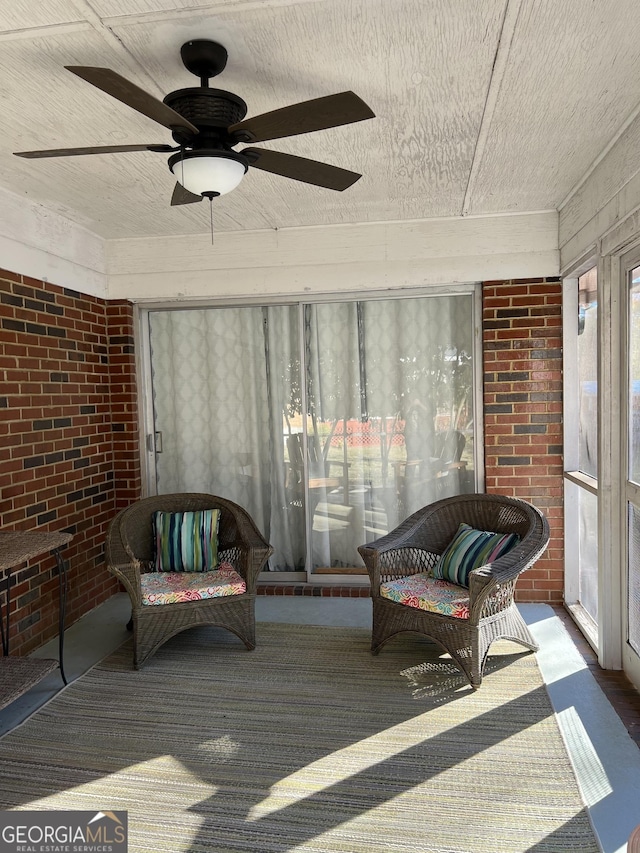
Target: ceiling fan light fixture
column 210, row 173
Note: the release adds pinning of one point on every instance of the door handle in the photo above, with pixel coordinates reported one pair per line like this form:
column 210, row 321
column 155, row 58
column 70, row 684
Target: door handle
column 154, row 442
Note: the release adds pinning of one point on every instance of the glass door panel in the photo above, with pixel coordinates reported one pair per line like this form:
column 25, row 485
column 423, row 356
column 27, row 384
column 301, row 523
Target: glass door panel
column 223, row 380
column 389, row 390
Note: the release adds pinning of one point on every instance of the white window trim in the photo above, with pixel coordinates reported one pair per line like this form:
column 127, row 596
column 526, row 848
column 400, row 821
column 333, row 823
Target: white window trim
column 611, row 521
column 627, row 491
column 570, row 444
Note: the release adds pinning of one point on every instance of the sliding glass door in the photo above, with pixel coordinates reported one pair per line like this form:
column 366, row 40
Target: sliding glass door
column 330, row 422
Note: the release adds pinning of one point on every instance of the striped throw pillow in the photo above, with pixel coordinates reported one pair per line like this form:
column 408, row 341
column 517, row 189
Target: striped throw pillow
column 470, row 549
column 186, row 541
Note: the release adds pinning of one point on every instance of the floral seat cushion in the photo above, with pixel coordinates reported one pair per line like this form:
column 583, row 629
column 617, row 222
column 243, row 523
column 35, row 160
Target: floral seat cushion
column 173, row 587
column 428, row 593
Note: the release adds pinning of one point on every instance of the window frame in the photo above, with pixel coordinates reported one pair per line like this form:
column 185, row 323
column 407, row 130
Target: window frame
column 572, row 475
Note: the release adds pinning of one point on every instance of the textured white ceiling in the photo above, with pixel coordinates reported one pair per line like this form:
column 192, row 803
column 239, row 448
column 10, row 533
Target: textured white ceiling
column 483, row 106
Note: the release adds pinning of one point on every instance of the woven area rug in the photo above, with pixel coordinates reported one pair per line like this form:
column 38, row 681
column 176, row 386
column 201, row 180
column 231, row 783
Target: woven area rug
column 307, row 743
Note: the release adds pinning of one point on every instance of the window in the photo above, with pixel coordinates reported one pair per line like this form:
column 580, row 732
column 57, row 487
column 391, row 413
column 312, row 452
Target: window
column 581, row 450
column 588, row 373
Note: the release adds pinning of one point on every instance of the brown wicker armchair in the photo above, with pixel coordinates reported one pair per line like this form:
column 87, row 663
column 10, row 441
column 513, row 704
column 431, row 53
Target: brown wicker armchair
column 129, row 553
column 414, row 547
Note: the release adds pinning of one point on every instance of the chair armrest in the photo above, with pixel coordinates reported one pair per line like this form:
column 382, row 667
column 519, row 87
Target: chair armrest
column 129, row 576
column 518, row 559
column 402, row 552
column 392, row 563
column 247, row 560
column 491, row 586
column 242, row 544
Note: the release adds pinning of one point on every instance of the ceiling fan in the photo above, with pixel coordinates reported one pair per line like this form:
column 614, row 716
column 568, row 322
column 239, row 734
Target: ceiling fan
column 206, row 125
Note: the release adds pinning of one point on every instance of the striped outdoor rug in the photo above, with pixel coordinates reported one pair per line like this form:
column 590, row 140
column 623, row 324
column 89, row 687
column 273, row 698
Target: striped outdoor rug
column 307, row 743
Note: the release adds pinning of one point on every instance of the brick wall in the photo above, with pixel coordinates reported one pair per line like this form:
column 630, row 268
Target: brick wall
column 69, row 454
column 522, row 345
column 124, row 403
column 68, row 448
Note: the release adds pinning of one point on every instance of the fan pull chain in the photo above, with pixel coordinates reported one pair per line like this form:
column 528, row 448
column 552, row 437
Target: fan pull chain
column 211, row 196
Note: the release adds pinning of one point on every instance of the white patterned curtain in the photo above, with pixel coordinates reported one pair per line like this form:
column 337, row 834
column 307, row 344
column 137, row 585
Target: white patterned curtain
column 384, row 381
column 387, row 380
column 221, row 380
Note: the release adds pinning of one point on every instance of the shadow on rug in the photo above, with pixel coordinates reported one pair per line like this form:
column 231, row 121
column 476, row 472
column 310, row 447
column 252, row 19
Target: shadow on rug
column 307, row 743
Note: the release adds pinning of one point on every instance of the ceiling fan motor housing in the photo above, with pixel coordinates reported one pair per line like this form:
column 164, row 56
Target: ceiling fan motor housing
column 207, row 109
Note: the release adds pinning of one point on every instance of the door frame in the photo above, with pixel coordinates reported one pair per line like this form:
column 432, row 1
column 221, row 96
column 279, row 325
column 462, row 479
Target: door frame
column 629, row 261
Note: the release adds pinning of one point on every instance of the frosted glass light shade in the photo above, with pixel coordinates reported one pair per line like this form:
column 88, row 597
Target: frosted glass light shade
column 204, row 173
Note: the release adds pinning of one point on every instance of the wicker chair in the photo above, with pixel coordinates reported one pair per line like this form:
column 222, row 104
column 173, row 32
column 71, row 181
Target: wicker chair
column 414, row 547
column 129, row 552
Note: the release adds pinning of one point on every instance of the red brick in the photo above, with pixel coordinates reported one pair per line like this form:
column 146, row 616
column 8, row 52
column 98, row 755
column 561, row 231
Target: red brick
column 28, row 361
column 540, row 482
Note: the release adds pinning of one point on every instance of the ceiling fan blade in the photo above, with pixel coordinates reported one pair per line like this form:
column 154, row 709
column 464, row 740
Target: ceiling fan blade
column 300, row 169
column 131, row 95
column 182, row 196
column 99, row 149
column 305, row 117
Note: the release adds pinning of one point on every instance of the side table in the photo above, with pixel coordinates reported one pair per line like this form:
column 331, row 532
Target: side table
column 19, row 674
